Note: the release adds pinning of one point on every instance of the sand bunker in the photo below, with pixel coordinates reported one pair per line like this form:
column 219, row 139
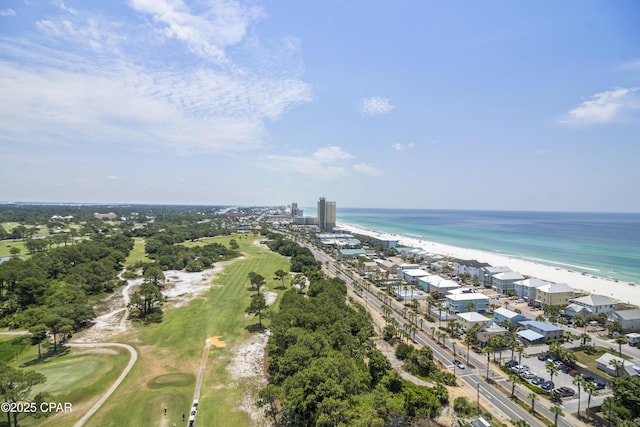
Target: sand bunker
column 217, row 342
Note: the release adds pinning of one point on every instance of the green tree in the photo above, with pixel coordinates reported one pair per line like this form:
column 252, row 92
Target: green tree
column 533, row 396
column 621, row 339
column 147, row 301
column 592, row 390
column 257, row 306
column 16, row 385
column 38, row 334
column 557, row 412
column 256, row 280
column 579, row 382
column 58, row 326
column 280, row 275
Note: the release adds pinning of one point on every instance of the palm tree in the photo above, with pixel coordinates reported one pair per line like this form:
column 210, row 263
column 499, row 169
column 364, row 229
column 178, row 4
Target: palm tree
column 533, row 396
column 617, row 364
column 621, row 339
column 514, row 380
column 578, row 381
column 552, row 369
column 585, row 338
column 488, row 349
column 520, row 350
column 592, row 390
column 556, row 411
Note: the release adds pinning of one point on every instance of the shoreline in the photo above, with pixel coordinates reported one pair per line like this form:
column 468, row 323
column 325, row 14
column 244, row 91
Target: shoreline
column 621, row 291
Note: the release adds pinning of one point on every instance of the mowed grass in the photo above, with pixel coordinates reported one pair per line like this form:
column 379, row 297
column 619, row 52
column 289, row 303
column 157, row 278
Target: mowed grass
column 173, row 349
column 6, row 245
column 80, row 378
column 137, row 254
column 12, row 346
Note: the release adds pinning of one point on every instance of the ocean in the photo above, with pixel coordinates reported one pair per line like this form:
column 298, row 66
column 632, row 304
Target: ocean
column 600, row 244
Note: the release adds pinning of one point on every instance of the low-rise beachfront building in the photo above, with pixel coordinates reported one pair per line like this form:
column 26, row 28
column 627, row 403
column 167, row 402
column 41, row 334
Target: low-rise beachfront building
column 628, row 319
column 434, row 283
column 483, row 337
column 369, row 267
column 466, row 302
column 472, row 268
column 526, row 289
column 503, row 314
column 547, row 330
column 469, row 319
column 607, row 362
column 411, row 276
column 386, row 265
column 485, row 275
column 590, row 305
column 553, row 294
column 503, row 282
column 352, row 253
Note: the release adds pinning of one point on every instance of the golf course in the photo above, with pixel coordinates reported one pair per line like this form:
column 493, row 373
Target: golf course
column 159, row 389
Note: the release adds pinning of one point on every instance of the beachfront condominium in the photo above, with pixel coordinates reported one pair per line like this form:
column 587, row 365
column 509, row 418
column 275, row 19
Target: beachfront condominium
column 326, row 214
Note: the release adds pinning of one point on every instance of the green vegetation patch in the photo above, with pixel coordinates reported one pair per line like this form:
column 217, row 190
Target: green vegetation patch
column 12, row 346
column 177, row 379
column 137, row 254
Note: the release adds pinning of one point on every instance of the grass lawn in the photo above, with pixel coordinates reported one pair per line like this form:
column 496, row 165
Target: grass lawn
column 79, row 377
column 137, row 254
column 6, row 245
column 170, row 352
column 12, row 346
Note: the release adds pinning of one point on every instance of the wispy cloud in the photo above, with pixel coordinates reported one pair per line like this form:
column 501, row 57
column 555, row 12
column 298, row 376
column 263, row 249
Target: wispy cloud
column 366, row 169
column 603, row 107
column 400, row 147
column 90, row 78
column 375, row 106
column 7, row 12
column 325, row 163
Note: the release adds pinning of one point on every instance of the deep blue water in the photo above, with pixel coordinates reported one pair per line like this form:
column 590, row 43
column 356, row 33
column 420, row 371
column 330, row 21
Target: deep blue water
column 602, row 244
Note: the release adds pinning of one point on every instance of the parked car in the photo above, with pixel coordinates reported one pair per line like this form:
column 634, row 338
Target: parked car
column 599, row 385
column 559, row 364
column 547, row 385
column 537, row 380
column 543, row 356
column 573, row 372
column 459, row 364
column 566, row 369
column 511, row 363
column 565, row 391
column 528, row 375
column 587, row 378
column 516, row 369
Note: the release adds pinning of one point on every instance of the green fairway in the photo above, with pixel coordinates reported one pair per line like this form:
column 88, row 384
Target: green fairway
column 6, row 245
column 171, row 352
column 80, row 378
column 137, row 254
column 12, row 346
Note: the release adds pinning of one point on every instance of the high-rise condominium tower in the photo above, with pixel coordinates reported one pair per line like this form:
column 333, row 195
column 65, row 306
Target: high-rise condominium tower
column 326, row 214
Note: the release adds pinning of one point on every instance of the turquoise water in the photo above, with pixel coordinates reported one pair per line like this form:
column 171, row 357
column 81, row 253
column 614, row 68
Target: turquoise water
column 601, row 244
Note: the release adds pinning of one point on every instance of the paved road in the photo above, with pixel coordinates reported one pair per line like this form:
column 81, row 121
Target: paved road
column 473, row 378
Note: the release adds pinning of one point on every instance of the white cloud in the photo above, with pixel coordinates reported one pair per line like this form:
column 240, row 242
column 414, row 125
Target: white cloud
column 98, row 79
column 375, row 106
column 399, row 147
column 366, row 169
column 324, row 163
column 206, row 34
column 603, row 107
column 7, row 12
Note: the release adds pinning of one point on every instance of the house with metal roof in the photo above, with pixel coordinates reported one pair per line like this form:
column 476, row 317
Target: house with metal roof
column 526, row 289
column 501, row 314
column 469, row 319
column 466, row 302
column 607, row 362
column 485, row 275
column 503, row 282
column 590, row 305
column 470, row 267
column 435, row 283
column 553, row 294
column 547, row 330
column 628, row 319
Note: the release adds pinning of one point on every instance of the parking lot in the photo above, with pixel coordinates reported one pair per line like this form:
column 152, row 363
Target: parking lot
column 536, row 367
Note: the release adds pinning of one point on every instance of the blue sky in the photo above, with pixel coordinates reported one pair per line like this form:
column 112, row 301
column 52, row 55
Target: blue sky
column 410, row 104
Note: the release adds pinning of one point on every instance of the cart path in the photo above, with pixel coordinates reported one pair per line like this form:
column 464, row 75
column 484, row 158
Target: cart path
column 114, row 386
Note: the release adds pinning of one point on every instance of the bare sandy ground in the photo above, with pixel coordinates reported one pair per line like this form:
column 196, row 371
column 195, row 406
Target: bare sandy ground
column 246, row 359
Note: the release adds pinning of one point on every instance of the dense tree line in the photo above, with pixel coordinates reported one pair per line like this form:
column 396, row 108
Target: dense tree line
column 50, row 290
column 302, row 260
column 324, row 369
column 625, row 403
column 169, row 255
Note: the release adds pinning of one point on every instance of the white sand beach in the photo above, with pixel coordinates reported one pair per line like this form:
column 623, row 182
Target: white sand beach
column 621, row 291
